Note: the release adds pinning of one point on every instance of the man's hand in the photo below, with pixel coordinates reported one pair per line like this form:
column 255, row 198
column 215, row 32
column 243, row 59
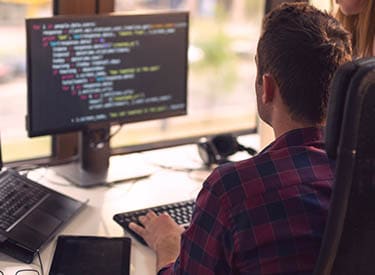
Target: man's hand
column 162, row 234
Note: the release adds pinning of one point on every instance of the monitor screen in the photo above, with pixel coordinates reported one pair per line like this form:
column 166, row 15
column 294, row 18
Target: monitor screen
column 105, row 68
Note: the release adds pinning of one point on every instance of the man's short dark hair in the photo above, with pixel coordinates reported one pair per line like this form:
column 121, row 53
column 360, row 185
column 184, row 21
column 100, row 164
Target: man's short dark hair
column 301, row 47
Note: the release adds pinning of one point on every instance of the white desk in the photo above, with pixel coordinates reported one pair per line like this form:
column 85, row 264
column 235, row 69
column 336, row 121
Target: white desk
column 164, row 186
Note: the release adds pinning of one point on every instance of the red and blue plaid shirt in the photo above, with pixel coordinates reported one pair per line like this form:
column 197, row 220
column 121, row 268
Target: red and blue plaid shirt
column 263, row 215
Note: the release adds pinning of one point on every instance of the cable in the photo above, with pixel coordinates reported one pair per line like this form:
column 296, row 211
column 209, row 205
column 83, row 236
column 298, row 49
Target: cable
column 40, row 262
column 249, row 150
column 105, row 139
column 182, row 169
column 59, row 183
column 114, row 133
column 21, row 271
column 27, row 168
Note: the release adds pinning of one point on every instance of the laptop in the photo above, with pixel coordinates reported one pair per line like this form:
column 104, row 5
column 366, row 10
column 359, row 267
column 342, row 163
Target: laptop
column 30, row 214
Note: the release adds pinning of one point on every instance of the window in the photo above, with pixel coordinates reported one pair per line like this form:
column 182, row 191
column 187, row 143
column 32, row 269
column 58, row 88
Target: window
column 325, row 5
column 15, row 143
column 223, row 39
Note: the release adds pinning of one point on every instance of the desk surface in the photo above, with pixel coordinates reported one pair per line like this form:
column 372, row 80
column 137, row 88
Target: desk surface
column 163, row 186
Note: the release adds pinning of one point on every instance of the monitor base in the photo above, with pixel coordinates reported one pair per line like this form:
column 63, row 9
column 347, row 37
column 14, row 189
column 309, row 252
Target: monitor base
column 121, row 169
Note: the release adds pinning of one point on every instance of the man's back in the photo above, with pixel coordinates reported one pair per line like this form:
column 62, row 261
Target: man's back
column 264, row 215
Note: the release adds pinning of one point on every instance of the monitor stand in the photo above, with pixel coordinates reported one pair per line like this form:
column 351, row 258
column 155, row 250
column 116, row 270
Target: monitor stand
column 96, row 167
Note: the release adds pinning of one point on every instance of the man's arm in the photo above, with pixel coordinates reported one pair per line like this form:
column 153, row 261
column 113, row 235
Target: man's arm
column 206, row 245
column 162, row 234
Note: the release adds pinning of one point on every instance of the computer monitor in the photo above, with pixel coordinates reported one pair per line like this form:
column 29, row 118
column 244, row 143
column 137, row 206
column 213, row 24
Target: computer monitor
column 86, row 73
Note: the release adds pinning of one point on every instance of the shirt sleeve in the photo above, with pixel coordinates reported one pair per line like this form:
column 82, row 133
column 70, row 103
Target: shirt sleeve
column 206, row 245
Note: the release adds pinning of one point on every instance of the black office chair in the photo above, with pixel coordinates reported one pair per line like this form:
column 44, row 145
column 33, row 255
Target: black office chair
column 348, row 245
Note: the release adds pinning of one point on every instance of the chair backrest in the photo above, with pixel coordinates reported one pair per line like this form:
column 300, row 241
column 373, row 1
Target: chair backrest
column 348, row 245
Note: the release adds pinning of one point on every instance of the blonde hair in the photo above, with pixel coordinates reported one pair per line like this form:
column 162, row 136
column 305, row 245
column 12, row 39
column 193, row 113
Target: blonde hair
column 362, row 27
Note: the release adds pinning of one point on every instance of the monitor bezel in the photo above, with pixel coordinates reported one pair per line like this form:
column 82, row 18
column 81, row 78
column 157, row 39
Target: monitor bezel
column 115, row 121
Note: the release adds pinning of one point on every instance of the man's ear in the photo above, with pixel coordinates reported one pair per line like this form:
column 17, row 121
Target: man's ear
column 269, row 88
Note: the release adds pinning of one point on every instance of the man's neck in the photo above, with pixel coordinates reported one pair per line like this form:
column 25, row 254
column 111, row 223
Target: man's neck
column 281, row 125
column 282, row 120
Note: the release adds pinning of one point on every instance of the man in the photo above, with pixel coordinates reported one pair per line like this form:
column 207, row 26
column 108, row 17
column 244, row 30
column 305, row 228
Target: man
column 266, row 215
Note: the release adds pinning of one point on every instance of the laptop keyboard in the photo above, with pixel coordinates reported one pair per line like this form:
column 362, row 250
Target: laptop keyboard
column 17, row 197
column 181, row 212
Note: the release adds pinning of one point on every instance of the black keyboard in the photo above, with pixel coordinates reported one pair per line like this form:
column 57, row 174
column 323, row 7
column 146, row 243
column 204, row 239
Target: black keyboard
column 181, row 212
column 17, row 197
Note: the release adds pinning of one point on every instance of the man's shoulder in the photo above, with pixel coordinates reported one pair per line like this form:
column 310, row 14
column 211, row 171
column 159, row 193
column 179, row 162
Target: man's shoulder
column 232, row 177
column 270, row 171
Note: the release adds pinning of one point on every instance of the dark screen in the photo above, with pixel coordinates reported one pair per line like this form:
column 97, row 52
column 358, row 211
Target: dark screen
column 118, row 69
column 77, row 255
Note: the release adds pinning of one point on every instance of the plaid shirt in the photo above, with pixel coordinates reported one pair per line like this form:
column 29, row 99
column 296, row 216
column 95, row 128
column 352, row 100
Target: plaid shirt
column 263, row 215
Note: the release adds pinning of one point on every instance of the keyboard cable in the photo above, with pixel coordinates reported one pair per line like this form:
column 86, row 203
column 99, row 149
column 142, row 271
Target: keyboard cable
column 40, row 262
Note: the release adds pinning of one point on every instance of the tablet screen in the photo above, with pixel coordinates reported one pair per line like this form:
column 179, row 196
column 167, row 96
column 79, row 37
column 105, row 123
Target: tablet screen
column 81, row 255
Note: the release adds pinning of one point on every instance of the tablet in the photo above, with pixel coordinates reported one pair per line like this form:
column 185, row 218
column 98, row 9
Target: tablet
column 89, row 255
